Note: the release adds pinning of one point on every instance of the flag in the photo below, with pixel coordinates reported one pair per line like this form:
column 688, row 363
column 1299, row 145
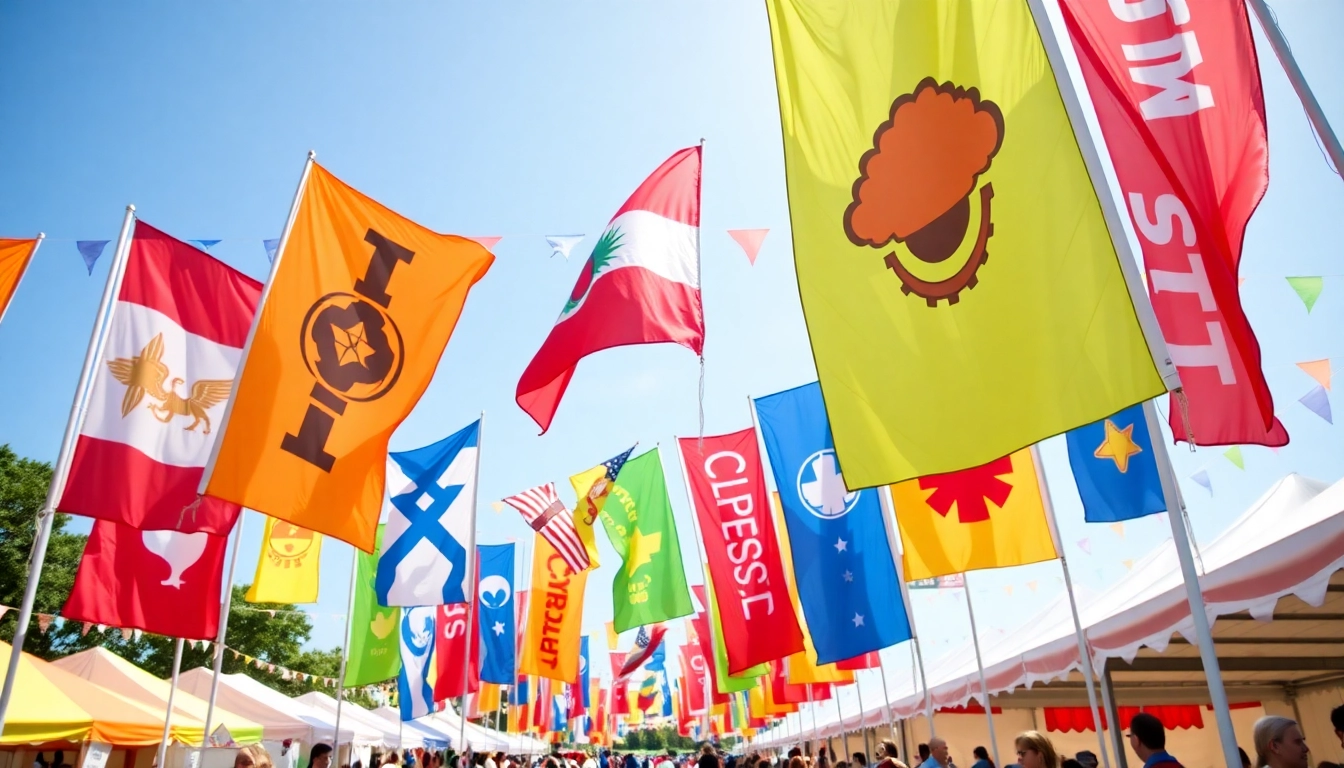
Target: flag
column 414, row 691
column 14, row 258
column 709, row 633
column 920, row 138
column 431, row 520
column 648, row 693
column 357, row 315
column 518, row 719
column 650, row 585
column 287, row 569
column 646, row 645
column 374, row 655
column 989, row 516
column 543, row 511
column 619, row 685
column 640, row 285
column 488, row 698
column 180, row 320
column 693, row 673
column 554, row 617
column 496, row 607
column 612, row 637
column 842, row 560
column 454, row 640
column 592, row 488
column 165, row 582
column 1192, row 167
column 727, row 490
column 581, row 700
column 1114, row 468
column 870, row 660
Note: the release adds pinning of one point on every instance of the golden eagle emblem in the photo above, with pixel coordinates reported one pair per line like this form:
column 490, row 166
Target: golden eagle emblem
column 145, row 374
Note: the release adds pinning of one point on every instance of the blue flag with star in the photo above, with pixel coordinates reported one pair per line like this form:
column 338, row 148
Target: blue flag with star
column 1113, row 464
column 842, row 558
column 431, row 517
column 497, row 623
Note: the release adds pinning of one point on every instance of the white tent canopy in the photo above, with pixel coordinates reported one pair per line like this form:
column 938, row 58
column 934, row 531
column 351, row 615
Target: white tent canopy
column 280, row 716
column 356, row 716
column 414, row 732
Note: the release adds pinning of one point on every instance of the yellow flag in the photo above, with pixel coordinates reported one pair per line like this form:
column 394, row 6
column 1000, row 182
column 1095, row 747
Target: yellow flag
column 801, row 667
column 961, row 290
column 287, row 569
column 487, row 697
column 613, row 638
column 554, row 617
column 587, row 509
column 14, row 258
column 355, row 320
column 989, row 516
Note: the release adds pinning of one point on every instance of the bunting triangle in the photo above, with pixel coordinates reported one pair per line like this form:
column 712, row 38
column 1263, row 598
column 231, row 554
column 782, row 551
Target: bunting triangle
column 1085, row 545
column 750, row 240
column 206, row 243
column 487, row 242
column 90, row 250
column 1308, row 289
column 562, row 244
column 1202, row 477
column 271, row 246
column 1318, row 402
column 1318, row 370
column 1233, row 455
column 1119, row 529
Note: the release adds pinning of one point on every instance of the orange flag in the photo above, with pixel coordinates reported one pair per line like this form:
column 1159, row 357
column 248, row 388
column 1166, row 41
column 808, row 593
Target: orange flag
column 989, row 516
column 14, row 258
column 552, row 635
column 356, row 316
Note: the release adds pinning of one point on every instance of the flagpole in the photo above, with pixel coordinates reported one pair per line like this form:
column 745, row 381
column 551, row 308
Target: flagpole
column 223, row 630
column 61, row 470
column 863, row 731
column 470, row 594
column 1083, row 654
column 886, row 697
column 256, row 319
column 18, row 283
column 812, row 708
column 1171, row 493
column 1310, row 105
column 704, row 575
column 980, row 667
column 345, row 650
column 897, row 556
column 840, row 713
column 168, row 714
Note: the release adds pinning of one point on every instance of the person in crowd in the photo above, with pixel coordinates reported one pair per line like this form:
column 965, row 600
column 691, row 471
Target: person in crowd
column 708, row 758
column 603, row 759
column 1148, row 739
column 1087, row 758
column 858, row 760
column 630, row 761
column 320, row 756
column 923, row 753
column 797, row 762
column 1337, row 721
column 589, row 761
column 392, row 758
column 982, row 758
column 795, row 752
column 1070, row 762
column 1279, row 743
column 253, row 756
column 1245, row 758
column 1034, row 750
column 939, row 755
column 890, row 756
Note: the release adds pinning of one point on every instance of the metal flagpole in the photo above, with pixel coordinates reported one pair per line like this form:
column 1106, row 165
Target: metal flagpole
column 886, row 697
column 700, row 549
column 863, row 729
column 470, row 593
column 31, row 255
column 839, row 713
column 894, row 544
column 345, row 650
column 812, row 707
column 980, row 667
column 38, row 555
column 223, row 630
column 168, row 714
column 1083, row 654
column 1171, row 493
column 1284, row 52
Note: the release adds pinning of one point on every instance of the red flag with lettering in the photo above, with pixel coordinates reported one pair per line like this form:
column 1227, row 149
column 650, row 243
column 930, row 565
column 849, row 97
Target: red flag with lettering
column 703, row 638
column 732, row 509
column 693, row 680
column 620, row 701
column 1178, row 96
column 453, row 644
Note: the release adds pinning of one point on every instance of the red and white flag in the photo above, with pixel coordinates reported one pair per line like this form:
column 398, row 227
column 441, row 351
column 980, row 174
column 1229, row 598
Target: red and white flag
column 1178, row 97
column 165, row 582
column 543, row 511
column 732, row 508
column 174, row 342
column 693, row 679
column 641, row 285
column 455, row 640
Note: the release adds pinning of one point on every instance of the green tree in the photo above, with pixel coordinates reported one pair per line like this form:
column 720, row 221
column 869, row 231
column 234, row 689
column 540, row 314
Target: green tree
column 23, row 489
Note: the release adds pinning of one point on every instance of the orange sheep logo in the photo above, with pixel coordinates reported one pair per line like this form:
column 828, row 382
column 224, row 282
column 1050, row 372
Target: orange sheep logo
column 915, row 184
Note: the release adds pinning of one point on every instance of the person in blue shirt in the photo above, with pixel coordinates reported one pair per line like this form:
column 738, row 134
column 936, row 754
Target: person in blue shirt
column 981, row 758
column 1148, row 739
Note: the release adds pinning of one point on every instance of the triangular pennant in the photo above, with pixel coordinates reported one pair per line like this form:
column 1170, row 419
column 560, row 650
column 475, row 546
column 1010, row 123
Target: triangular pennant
column 44, row 622
column 206, row 243
column 1318, row 370
column 1308, row 289
column 1129, row 564
column 750, row 240
column 498, row 506
column 90, row 250
column 271, row 246
column 1008, row 588
column 136, row 635
column 1202, row 477
column 1085, row 545
column 562, row 244
column 102, row 628
column 1318, row 402
column 1119, row 529
column 1233, row 455
column 3, row 610
column 1031, row 585
column 487, row 242
column 126, row 634
column 85, row 630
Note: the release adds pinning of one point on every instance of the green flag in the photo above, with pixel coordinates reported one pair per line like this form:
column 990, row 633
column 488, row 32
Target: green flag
column 651, row 585
column 375, row 654
column 727, row 683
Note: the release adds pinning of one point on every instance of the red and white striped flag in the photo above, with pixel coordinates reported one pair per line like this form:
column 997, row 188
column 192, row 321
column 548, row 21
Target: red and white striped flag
column 546, row 514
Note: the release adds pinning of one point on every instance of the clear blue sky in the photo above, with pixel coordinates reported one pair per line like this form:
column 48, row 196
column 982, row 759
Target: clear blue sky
column 527, row 119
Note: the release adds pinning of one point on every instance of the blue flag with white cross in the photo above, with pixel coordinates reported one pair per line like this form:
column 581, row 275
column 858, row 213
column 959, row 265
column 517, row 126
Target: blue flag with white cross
column 431, row 515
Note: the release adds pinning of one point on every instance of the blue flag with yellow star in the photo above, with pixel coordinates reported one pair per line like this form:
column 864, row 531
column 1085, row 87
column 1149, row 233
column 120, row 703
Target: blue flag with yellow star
column 1113, row 464
column 838, row 541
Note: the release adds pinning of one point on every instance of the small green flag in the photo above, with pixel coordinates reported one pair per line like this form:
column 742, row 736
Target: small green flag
column 651, row 584
column 1233, row 455
column 728, row 683
column 375, row 653
column 1308, row 289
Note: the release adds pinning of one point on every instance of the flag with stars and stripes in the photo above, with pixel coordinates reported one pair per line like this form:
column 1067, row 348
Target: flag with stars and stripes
column 592, row 487
column 542, row 509
column 431, row 523
column 646, row 643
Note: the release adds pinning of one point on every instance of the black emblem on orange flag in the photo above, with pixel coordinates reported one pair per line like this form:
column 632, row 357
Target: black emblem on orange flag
column 969, row 489
column 915, row 186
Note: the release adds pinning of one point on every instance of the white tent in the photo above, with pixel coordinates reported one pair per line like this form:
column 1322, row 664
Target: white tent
column 415, row 732
column 280, row 716
column 356, row 716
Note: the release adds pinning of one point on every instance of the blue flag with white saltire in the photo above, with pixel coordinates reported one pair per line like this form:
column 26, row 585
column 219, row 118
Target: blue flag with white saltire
column 497, row 623
column 431, row 519
column 842, row 558
column 414, row 691
column 1114, row 466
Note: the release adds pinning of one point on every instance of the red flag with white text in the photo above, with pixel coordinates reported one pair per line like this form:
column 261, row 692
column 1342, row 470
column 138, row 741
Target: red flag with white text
column 455, row 640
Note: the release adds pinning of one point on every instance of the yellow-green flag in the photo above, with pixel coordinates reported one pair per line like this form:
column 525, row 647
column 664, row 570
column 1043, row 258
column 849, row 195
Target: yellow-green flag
column 961, row 290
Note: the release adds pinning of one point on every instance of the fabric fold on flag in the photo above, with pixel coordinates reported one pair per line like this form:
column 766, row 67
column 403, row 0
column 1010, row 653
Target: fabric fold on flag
column 592, row 487
column 544, row 513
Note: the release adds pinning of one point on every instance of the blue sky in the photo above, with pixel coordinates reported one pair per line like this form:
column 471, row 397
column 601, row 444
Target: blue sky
column 530, row 119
